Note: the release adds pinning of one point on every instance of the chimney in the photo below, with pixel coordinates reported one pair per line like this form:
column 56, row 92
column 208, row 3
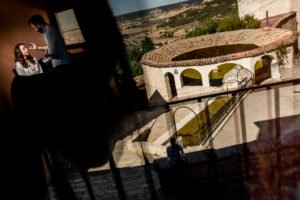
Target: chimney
column 267, row 19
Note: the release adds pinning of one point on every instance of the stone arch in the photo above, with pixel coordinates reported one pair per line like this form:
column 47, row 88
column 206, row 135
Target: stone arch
column 216, row 75
column 170, row 83
column 262, row 68
column 191, row 77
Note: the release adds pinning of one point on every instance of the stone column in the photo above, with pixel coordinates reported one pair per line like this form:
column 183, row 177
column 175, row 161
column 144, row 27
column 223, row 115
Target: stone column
column 275, row 72
column 178, row 82
column 205, row 79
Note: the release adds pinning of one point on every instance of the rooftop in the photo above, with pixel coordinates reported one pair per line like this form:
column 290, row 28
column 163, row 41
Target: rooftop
column 275, row 20
column 266, row 40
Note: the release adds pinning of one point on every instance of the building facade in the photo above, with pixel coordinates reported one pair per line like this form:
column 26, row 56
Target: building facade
column 185, row 68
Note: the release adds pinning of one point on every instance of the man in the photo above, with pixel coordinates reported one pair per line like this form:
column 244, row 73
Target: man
column 55, row 47
column 175, row 153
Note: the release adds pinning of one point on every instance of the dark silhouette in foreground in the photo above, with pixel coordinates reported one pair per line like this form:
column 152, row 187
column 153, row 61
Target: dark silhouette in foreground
column 175, row 154
column 74, row 115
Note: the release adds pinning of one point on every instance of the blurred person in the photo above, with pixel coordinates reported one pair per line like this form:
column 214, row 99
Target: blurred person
column 77, row 101
column 55, row 47
column 175, row 153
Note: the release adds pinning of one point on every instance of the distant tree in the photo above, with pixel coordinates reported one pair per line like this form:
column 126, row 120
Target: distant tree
column 229, row 24
column 208, row 28
column 251, row 22
column 225, row 24
column 235, row 23
column 147, row 44
column 134, row 55
column 211, row 26
column 136, row 68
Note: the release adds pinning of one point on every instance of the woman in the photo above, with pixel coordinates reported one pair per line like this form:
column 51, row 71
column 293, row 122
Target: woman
column 26, row 65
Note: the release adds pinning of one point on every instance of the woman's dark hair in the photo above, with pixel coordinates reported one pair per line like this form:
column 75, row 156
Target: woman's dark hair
column 36, row 19
column 20, row 58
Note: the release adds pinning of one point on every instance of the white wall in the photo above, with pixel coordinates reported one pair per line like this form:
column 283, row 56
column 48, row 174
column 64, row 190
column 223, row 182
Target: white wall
column 258, row 8
column 155, row 77
column 155, row 80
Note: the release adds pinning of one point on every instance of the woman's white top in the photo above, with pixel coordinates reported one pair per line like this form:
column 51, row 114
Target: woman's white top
column 31, row 70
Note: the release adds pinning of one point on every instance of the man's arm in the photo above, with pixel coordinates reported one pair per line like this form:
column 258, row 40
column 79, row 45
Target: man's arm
column 34, row 46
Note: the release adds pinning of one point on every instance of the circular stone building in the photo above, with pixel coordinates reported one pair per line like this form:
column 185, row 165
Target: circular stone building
column 198, row 65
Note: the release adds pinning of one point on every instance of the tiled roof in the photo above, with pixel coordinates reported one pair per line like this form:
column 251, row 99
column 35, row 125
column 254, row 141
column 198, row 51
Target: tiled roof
column 273, row 21
column 267, row 39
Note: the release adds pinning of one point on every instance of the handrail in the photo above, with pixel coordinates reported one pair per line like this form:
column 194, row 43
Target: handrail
column 212, row 123
column 213, row 94
column 232, row 91
column 221, row 114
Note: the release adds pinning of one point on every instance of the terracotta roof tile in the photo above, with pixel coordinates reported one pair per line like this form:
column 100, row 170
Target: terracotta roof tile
column 267, row 39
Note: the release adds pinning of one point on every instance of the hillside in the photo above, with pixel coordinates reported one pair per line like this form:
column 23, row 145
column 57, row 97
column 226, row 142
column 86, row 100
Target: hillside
column 144, row 30
column 171, row 22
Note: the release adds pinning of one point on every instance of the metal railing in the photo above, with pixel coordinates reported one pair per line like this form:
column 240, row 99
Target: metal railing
column 236, row 97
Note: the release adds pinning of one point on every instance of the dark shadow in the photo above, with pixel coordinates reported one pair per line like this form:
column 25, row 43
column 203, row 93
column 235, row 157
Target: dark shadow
column 266, row 167
column 209, row 174
column 74, row 113
column 216, row 82
column 170, row 81
column 265, row 71
column 188, row 80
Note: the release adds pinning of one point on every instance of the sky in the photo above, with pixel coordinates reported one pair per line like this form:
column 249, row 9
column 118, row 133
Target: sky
column 127, row 6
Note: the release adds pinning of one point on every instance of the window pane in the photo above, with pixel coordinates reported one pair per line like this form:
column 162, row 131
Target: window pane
column 69, row 27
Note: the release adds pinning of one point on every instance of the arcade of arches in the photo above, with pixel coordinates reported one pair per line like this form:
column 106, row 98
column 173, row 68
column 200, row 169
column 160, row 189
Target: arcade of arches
column 201, row 65
column 192, row 77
